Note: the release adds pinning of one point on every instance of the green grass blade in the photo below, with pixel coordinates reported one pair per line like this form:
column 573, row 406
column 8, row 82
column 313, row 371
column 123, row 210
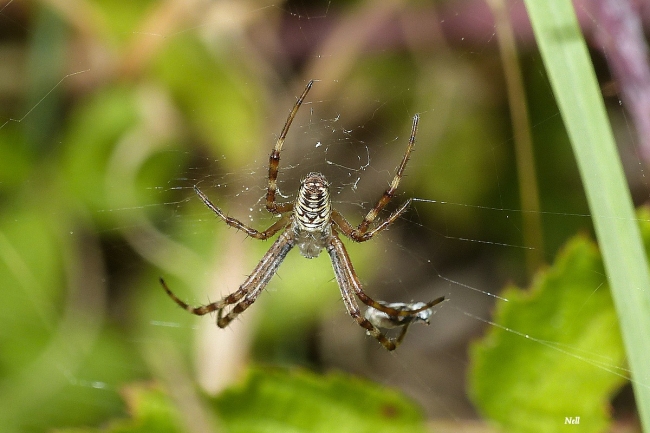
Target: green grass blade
column 576, row 90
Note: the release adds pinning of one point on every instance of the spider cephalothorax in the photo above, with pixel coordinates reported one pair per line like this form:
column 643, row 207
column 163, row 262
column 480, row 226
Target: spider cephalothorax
column 312, row 224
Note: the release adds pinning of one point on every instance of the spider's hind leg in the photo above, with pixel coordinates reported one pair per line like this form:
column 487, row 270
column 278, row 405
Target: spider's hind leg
column 203, row 309
column 395, row 315
column 240, row 307
column 351, row 305
column 389, row 344
column 257, row 281
column 250, row 289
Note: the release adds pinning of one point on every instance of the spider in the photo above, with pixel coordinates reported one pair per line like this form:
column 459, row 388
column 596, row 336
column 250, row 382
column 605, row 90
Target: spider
column 311, row 224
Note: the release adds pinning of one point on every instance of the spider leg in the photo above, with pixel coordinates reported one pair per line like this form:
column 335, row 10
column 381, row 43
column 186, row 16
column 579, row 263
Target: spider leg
column 201, row 310
column 274, row 159
column 260, row 277
column 341, row 260
column 353, row 308
column 349, row 284
column 351, row 232
column 233, row 222
column 250, row 288
column 359, row 234
column 402, row 333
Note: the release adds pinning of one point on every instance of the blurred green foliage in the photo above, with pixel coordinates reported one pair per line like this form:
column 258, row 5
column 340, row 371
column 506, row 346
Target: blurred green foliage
column 277, row 400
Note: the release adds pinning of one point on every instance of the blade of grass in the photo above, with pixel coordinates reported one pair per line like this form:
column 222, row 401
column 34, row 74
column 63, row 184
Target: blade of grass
column 576, row 90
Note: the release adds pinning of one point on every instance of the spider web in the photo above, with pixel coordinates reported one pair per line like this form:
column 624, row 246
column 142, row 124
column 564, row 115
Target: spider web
column 430, row 252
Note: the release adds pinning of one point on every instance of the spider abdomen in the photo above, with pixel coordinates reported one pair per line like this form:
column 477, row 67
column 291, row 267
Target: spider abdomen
column 312, row 215
column 313, row 208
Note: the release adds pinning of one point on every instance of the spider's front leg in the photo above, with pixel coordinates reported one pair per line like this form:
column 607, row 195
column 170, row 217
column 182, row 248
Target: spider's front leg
column 250, row 288
column 361, row 233
column 274, row 159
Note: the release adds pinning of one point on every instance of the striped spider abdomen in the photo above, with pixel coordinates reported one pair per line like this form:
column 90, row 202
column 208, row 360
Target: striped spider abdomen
column 312, row 215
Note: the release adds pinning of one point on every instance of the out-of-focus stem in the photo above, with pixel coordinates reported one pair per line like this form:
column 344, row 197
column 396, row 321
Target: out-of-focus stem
column 529, row 196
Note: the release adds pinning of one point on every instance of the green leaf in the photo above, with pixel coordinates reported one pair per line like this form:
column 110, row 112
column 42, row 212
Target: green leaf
column 280, row 400
column 555, row 351
column 300, row 401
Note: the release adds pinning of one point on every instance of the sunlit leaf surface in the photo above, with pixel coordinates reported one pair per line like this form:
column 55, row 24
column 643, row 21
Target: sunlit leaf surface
column 555, row 353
